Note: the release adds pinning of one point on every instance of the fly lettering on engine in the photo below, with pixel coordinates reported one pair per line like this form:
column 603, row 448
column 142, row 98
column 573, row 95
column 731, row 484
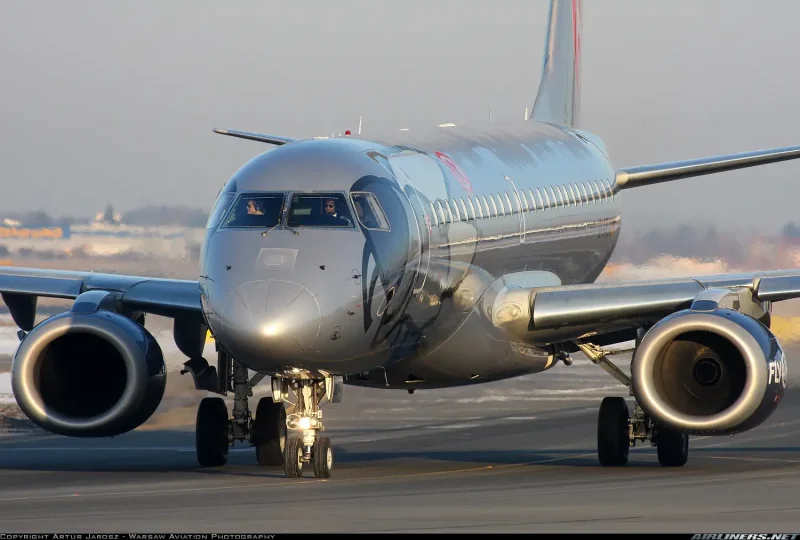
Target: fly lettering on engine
column 778, row 371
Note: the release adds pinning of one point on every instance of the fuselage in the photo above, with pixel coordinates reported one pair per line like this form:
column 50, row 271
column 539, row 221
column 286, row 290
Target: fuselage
column 388, row 288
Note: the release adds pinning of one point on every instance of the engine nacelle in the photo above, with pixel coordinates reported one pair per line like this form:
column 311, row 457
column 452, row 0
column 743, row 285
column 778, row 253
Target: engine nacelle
column 96, row 374
column 715, row 372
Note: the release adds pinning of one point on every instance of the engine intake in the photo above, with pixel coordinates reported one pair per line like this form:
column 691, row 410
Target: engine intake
column 96, row 374
column 712, row 372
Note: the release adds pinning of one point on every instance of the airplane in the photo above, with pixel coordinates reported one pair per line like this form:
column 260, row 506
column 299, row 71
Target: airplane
column 449, row 257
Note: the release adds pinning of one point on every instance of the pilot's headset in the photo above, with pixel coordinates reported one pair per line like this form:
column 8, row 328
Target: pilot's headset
column 256, row 205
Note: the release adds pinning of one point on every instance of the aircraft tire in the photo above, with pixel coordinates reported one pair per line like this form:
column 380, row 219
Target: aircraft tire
column 612, row 432
column 211, row 432
column 322, row 457
column 269, row 432
column 293, row 457
column 673, row 448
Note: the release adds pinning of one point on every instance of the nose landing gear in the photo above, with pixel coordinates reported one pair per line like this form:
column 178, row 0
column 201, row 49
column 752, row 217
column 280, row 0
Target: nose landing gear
column 307, row 448
column 216, row 432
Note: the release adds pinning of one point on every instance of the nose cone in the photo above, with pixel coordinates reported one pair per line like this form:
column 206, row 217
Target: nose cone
column 274, row 318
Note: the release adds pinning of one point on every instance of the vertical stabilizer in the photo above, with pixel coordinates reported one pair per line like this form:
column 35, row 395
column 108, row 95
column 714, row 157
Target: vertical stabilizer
column 559, row 97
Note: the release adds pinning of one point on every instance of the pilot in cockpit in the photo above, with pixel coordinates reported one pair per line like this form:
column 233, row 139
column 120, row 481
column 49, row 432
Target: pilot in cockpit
column 331, row 215
column 254, row 208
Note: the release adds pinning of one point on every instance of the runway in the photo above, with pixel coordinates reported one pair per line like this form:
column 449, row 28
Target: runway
column 481, row 465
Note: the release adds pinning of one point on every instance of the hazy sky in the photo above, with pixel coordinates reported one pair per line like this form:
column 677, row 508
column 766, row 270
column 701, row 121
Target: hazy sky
column 115, row 101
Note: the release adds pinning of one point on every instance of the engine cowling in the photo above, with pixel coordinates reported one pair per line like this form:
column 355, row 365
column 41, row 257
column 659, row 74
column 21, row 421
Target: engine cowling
column 716, row 372
column 95, row 374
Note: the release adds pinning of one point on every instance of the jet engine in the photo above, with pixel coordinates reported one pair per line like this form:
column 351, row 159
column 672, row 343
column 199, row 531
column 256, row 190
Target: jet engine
column 89, row 374
column 714, row 372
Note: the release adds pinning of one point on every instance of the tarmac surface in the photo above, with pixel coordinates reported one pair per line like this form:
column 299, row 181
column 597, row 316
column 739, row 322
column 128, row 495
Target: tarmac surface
column 516, row 456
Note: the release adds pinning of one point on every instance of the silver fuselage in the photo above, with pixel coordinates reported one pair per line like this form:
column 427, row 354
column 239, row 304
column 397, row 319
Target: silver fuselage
column 469, row 212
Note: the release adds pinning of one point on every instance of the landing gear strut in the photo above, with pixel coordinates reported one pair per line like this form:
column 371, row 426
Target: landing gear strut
column 618, row 430
column 306, row 417
column 216, row 432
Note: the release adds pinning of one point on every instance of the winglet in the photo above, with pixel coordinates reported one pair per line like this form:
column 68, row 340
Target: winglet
column 260, row 137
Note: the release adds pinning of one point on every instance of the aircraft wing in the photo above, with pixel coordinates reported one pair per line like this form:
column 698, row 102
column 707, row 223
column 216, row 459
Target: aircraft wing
column 166, row 297
column 566, row 313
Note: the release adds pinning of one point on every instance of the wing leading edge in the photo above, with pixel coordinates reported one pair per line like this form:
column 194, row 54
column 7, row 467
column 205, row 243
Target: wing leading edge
column 166, row 297
column 572, row 311
column 646, row 175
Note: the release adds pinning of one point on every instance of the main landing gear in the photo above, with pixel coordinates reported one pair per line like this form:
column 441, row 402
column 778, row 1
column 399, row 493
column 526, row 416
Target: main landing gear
column 216, row 432
column 618, row 430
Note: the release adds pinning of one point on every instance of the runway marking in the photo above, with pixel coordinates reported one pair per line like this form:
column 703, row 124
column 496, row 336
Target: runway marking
column 521, row 418
column 563, row 458
column 753, row 459
column 749, row 439
column 453, row 426
column 292, row 483
column 158, row 491
column 14, row 440
column 113, row 448
column 470, row 469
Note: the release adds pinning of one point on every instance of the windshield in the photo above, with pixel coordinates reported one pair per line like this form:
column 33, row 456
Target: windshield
column 223, row 203
column 328, row 210
column 255, row 210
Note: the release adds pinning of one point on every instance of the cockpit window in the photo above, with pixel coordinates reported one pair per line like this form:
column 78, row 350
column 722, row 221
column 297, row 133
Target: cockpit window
column 319, row 210
column 369, row 211
column 255, row 210
column 220, row 207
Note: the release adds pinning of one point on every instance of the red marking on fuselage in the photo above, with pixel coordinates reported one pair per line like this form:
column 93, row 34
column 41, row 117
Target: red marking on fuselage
column 457, row 172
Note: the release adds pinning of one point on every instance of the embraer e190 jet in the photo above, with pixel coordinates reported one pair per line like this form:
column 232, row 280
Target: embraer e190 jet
column 445, row 258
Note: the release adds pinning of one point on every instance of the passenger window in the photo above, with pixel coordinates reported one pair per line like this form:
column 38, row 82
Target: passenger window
column 508, row 202
column 556, row 200
column 595, row 191
column 449, row 210
column 495, row 213
column 610, row 189
column 502, row 209
column 549, row 197
column 223, row 203
column 586, row 192
column 563, row 192
column 328, row 210
column 472, row 213
column 435, row 214
column 601, row 191
column 487, row 213
column 369, row 211
column 442, row 213
column 467, row 217
column 454, row 209
column 255, row 210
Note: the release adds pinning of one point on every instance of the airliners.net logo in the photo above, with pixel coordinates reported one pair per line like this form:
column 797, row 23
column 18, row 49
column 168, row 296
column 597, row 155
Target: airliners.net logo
column 745, row 536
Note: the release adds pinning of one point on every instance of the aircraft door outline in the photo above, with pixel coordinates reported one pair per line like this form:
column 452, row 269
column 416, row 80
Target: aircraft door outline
column 521, row 209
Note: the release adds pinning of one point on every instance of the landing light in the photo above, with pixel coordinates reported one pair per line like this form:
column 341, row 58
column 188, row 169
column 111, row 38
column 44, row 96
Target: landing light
column 272, row 329
column 304, row 423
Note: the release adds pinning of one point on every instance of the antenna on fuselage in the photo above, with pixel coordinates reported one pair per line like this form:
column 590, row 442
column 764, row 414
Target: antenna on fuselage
column 490, row 113
column 359, row 124
column 526, row 113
